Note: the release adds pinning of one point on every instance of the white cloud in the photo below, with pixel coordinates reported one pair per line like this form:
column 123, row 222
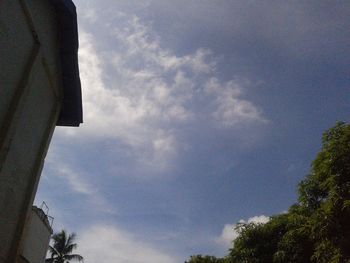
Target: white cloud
column 61, row 169
column 230, row 108
column 139, row 93
column 229, row 233
column 105, row 244
column 76, row 182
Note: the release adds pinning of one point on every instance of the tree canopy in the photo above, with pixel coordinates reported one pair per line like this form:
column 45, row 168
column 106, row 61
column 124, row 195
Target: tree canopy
column 205, row 259
column 317, row 227
column 62, row 248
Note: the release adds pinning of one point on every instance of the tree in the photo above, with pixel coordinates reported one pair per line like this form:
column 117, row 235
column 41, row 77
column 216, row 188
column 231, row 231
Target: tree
column 317, row 228
column 62, row 248
column 205, row 259
column 257, row 242
column 295, row 245
column 325, row 193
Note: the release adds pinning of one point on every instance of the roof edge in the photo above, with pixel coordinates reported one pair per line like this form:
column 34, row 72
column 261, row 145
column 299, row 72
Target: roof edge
column 67, row 28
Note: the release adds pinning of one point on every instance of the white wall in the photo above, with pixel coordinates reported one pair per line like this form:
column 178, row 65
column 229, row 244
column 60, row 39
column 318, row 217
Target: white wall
column 36, row 238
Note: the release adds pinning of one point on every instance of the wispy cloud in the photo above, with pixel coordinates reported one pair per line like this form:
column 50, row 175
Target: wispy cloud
column 230, row 108
column 101, row 243
column 141, row 94
column 76, row 181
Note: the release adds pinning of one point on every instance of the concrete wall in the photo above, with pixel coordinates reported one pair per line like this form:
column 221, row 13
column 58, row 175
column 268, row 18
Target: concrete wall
column 30, row 101
column 36, row 237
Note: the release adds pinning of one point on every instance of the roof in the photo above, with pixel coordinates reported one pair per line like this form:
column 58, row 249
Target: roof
column 72, row 111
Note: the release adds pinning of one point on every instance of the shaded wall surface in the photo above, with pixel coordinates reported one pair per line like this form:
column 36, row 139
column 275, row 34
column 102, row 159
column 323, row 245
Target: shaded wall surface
column 31, row 99
column 36, row 237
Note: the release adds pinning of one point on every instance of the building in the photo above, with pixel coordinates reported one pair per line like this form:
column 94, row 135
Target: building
column 36, row 237
column 39, row 89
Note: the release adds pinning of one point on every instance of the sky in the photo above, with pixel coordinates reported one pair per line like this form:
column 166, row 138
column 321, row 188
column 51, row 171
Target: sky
column 198, row 114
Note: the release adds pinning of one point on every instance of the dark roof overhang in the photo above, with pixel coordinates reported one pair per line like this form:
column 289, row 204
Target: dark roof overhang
column 72, row 111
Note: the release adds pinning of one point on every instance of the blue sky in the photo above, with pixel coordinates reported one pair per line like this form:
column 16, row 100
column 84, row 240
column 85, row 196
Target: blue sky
column 197, row 114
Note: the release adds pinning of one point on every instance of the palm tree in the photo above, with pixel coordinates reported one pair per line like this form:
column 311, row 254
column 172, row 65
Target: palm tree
column 63, row 246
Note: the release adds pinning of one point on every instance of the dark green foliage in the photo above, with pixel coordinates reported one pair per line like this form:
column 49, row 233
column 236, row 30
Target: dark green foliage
column 317, row 228
column 62, row 248
column 258, row 242
column 326, row 194
column 295, row 245
column 206, row 259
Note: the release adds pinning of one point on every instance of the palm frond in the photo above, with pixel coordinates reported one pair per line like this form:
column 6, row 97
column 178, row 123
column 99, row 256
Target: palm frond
column 74, row 257
column 60, row 240
column 69, row 248
column 62, row 248
column 53, row 251
column 70, row 239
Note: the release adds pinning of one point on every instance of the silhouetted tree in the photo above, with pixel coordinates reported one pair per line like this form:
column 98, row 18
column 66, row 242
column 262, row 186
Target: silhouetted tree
column 62, row 248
